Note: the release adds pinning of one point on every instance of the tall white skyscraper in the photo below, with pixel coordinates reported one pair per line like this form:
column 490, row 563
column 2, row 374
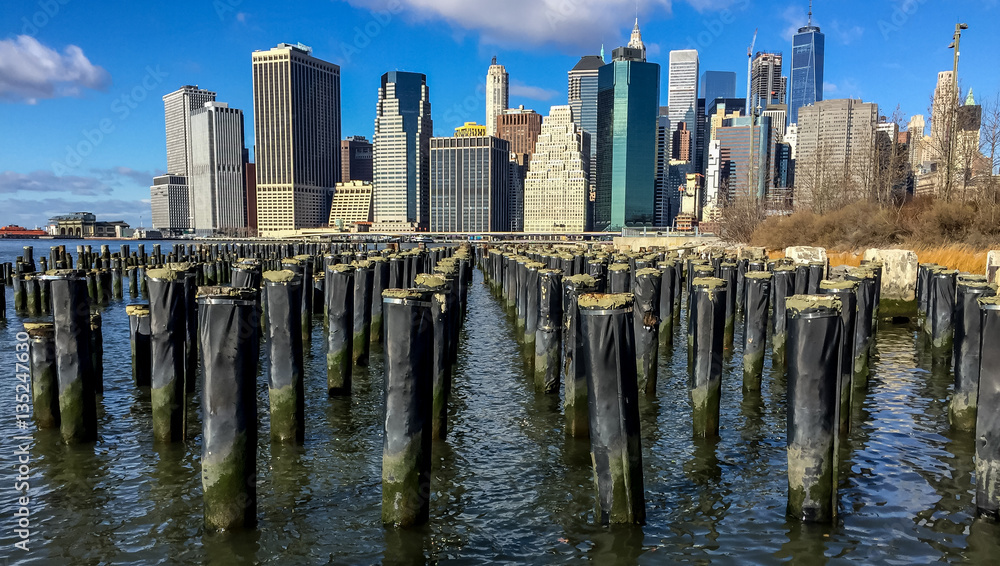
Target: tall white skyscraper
column 217, row 190
column 177, row 108
column 556, row 188
column 682, row 93
column 403, row 131
column 296, row 104
column 497, row 95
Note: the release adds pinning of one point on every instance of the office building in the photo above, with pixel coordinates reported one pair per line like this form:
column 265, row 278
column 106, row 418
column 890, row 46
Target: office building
column 835, row 152
column 218, row 195
column 403, row 131
column 296, row 99
column 520, row 128
column 682, row 96
column 767, row 86
column 469, row 184
column 356, row 159
column 666, row 196
column 583, row 102
column 808, row 47
column 497, row 95
column 352, row 205
column 737, row 147
column 628, row 100
column 470, row 130
column 177, row 108
column 718, row 84
column 555, row 189
column 168, row 198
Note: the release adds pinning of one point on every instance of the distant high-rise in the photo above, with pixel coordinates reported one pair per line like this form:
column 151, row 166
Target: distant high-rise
column 217, row 179
column 665, row 206
column 356, row 159
column 555, row 189
column 177, row 108
column 767, row 86
column 520, row 128
column 942, row 109
column 682, row 95
column 469, row 184
column 168, row 196
column 403, row 131
column 352, row 204
column 628, row 104
column 497, row 95
column 718, row 84
column 736, row 145
column 834, row 151
column 583, row 101
column 916, row 128
column 296, row 103
column 808, row 46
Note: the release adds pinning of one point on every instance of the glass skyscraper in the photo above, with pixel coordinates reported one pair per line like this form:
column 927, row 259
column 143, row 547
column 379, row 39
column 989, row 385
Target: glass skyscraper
column 807, row 69
column 718, row 84
column 628, row 97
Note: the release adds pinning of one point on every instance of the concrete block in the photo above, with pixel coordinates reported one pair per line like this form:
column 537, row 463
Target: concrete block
column 993, row 266
column 806, row 254
column 899, row 273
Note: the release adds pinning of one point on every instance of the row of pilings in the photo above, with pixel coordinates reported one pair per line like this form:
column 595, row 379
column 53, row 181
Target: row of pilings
column 225, row 304
column 614, row 315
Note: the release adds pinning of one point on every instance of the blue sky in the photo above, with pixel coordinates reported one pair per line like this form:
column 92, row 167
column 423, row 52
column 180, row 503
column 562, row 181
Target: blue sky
column 81, row 114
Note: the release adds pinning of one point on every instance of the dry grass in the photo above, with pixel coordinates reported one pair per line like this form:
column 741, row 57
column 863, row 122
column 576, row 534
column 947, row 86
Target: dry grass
column 960, row 256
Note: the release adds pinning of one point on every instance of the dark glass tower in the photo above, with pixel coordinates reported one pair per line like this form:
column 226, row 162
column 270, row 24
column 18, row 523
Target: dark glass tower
column 718, row 84
column 807, row 69
column 628, row 96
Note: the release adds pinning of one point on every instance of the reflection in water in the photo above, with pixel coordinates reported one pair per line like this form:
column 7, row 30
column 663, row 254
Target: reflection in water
column 805, row 545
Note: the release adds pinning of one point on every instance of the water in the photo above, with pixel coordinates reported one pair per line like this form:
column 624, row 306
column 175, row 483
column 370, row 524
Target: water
column 508, row 486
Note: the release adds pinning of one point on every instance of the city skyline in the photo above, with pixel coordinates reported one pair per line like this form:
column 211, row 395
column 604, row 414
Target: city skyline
column 123, row 156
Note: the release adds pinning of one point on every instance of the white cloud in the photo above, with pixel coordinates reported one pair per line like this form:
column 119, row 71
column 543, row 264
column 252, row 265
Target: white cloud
column 517, row 88
column 829, row 88
column 846, row 34
column 36, row 212
column 46, row 181
column 30, row 71
column 576, row 24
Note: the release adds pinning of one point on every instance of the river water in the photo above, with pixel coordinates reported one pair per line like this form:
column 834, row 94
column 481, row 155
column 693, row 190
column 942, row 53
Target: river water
column 508, row 485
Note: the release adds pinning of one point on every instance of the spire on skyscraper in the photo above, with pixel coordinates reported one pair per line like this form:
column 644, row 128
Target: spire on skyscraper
column 970, row 100
column 635, row 41
column 810, row 13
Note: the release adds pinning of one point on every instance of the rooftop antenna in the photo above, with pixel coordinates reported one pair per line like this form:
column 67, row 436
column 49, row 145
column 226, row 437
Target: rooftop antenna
column 810, row 13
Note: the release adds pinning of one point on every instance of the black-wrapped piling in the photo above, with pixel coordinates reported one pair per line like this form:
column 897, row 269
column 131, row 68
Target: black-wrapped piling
column 441, row 304
column 968, row 352
column 406, row 440
column 285, row 384
column 668, row 287
column 340, row 323
column 647, row 288
column 988, row 414
column 97, row 351
column 71, row 318
column 847, row 293
column 575, row 402
column 814, row 336
column 229, row 331
column 608, row 360
column 364, row 279
column 167, row 314
column 44, row 377
column 139, row 335
column 380, row 282
column 757, row 290
column 548, row 334
column 942, row 310
column 863, row 324
column 782, row 287
column 705, row 346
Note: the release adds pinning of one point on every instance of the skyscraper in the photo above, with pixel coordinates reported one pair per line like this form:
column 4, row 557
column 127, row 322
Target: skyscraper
column 555, row 189
column 403, row 131
column 168, row 199
column 177, row 108
column 296, row 103
column 835, row 151
column 682, row 94
column 718, row 84
column 583, row 102
column 497, row 95
column 356, row 159
column 628, row 100
column 469, row 184
column 808, row 47
column 665, row 205
column 942, row 109
column 767, row 86
column 520, row 128
column 218, row 195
